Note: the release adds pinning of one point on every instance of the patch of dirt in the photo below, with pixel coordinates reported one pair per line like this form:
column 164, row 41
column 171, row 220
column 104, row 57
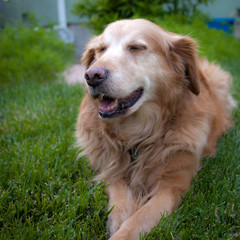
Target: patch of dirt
column 74, row 74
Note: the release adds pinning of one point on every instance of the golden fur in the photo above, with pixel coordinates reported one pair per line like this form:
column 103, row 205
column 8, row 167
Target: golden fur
column 185, row 108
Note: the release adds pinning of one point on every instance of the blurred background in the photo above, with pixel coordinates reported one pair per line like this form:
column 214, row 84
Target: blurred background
column 71, row 15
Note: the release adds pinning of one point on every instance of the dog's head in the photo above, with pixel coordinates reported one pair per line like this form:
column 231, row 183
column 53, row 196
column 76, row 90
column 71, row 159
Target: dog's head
column 136, row 61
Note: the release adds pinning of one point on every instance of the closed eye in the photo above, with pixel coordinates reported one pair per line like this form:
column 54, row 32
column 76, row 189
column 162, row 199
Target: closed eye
column 136, row 47
column 101, row 49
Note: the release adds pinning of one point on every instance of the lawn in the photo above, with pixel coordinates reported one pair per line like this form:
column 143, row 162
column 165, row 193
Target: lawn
column 47, row 193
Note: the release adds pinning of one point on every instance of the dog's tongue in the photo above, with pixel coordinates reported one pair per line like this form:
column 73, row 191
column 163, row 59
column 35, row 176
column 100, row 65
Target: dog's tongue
column 108, row 104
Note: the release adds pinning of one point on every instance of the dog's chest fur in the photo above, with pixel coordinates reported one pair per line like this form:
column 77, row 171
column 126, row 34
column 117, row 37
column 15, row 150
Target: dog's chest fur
column 140, row 160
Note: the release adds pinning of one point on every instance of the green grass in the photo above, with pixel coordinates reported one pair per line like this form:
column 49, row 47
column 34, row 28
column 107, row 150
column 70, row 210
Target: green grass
column 45, row 193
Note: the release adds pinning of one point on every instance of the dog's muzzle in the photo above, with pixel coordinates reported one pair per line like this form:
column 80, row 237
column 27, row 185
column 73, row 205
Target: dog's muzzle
column 109, row 106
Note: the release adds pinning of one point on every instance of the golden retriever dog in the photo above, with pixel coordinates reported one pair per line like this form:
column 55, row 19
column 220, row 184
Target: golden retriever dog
column 152, row 109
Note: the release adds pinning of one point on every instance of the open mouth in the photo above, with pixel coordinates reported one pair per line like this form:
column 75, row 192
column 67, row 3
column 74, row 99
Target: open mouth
column 112, row 107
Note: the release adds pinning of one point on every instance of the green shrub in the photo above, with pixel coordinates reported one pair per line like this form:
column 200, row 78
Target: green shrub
column 102, row 12
column 31, row 53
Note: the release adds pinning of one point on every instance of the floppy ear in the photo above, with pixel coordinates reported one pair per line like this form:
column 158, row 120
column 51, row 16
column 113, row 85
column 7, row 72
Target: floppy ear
column 89, row 55
column 183, row 57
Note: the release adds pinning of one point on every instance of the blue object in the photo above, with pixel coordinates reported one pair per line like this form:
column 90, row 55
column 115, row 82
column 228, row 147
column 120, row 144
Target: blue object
column 225, row 24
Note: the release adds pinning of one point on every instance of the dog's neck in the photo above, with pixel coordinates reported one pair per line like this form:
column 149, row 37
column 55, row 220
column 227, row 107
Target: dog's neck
column 143, row 127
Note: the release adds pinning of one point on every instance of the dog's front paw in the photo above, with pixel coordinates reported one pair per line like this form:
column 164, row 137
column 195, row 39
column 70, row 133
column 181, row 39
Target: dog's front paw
column 126, row 232
column 120, row 235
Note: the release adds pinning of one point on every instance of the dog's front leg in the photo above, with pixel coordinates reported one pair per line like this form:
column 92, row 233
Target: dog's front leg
column 120, row 199
column 175, row 182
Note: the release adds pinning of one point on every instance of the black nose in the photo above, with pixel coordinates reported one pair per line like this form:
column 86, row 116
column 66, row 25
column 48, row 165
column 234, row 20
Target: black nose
column 96, row 75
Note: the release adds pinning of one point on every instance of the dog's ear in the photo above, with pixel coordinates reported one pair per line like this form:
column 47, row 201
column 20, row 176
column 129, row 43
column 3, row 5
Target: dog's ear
column 89, row 55
column 183, row 57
